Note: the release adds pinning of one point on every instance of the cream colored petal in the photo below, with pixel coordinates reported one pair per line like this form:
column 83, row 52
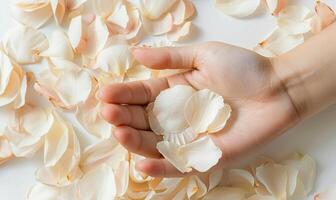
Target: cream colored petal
column 158, row 27
column 220, row 121
column 44, row 192
column 104, row 8
column 241, row 178
column 179, row 12
column 201, row 154
column 278, row 43
column 31, row 5
column 11, row 92
column 59, row 8
column 76, row 33
column 215, row 178
column 179, row 33
column 306, row 167
column 196, row 189
column 190, row 9
column 138, row 72
column 73, row 87
column 106, row 151
column 56, row 141
column 89, row 116
column 155, row 9
column 96, row 38
column 237, row 8
column 59, row 46
column 295, row 19
column 66, row 170
column 275, row 6
column 274, row 178
column 120, row 16
column 35, row 18
column 122, row 178
column 5, row 150
column 21, row 96
column 6, row 68
column 98, row 184
column 116, row 59
column 24, row 44
column 202, row 109
column 168, row 108
column 225, row 193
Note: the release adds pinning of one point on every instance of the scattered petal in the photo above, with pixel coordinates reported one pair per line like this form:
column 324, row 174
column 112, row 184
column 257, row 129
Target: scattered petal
column 237, row 8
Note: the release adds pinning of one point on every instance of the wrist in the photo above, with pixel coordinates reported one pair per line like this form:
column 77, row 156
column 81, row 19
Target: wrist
column 308, row 73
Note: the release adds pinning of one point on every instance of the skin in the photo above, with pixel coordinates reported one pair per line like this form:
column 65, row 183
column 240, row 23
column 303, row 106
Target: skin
column 267, row 96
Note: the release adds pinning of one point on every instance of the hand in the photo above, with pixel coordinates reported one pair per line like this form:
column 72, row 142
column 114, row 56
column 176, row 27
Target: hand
column 261, row 107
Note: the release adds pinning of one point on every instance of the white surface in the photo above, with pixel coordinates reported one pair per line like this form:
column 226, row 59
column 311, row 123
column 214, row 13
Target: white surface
column 315, row 136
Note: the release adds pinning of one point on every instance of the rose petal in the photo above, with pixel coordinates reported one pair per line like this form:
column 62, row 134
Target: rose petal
column 200, row 155
column 155, row 9
column 237, row 8
column 159, row 26
column 179, row 33
column 225, row 193
column 24, row 44
column 34, row 18
column 275, row 6
column 59, row 46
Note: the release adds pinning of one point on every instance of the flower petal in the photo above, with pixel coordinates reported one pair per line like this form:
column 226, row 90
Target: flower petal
column 201, row 154
column 34, row 18
column 225, row 193
column 24, row 44
column 237, row 8
column 59, row 46
column 159, row 26
column 179, row 33
column 155, row 9
column 275, row 6
column 98, row 184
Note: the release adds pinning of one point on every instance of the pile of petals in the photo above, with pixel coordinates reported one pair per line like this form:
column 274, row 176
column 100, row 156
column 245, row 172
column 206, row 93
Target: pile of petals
column 292, row 178
column 50, row 77
column 295, row 23
column 181, row 114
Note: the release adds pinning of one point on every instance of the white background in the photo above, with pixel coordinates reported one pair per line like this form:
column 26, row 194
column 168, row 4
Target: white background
column 316, row 136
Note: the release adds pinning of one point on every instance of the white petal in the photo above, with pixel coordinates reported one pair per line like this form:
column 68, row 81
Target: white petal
column 159, row 26
column 116, row 59
column 225, row 193
column 203, row 108
column 98, row 184
column 5, row 150
column 122, row 178
column 44, row 192
column 168, row 108
column 119, row 16
column 306, row 167
column 56, row 142
column 278, row 43
column 73, row 87
column 196, row 188
column 96, row 38
column 59, row 8
column 237, row 8
column 89, row 115
column 179, row 32
column 104, row 8
column 261, row 197
column 59, row 46
column 215, row 178
column 66, row 170
column 295, row 19
column 34, row 18
column 155, row 9
column 200, row 155
column 75, row 4
column 138, row 72
column 24, row 44
column 106, row 151
column 274, row 178
column 76, row 33
column 241, row 179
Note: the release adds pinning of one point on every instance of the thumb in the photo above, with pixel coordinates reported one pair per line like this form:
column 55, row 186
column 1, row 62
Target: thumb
column 167, row 57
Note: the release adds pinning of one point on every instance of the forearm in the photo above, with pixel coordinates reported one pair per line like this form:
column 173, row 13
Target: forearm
column 309, row 73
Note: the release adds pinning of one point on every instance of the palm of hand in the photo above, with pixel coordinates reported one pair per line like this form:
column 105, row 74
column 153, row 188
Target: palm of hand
column 260, row 104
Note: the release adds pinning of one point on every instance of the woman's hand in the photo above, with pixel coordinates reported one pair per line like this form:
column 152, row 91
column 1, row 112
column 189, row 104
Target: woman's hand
column 261, row 107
